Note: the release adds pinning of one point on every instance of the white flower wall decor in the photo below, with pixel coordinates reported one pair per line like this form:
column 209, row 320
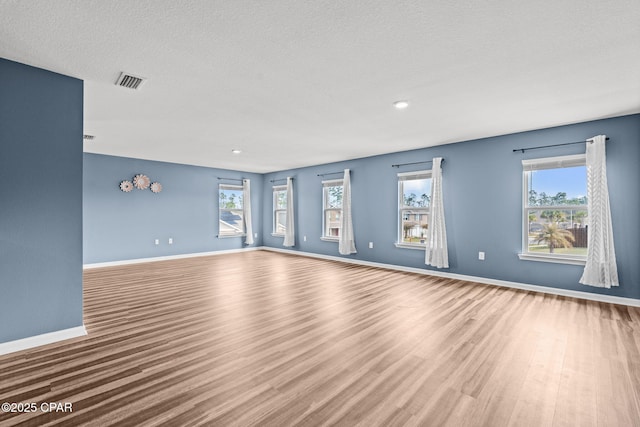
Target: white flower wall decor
column 126, row 186
column 156, row 187
column 141, row 182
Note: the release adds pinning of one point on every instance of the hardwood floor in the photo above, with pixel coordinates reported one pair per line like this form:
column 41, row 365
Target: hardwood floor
column 262, row 338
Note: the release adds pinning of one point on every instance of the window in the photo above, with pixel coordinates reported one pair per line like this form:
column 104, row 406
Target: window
column 414, row 198
column 279, row 210
column 231, row 213
column 332, row 209
column 555, row 214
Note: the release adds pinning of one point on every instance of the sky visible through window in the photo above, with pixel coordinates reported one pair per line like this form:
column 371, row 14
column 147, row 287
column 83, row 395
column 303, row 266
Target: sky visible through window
column 417, row 187
column 572, row 181
column 230, row 199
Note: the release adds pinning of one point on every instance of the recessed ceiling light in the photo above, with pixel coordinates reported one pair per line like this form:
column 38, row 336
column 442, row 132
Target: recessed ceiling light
column 236, row 151
column 401, row 105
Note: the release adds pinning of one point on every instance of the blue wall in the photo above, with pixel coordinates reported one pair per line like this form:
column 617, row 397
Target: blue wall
column 40, row 201
column 482, row 184
column 121, row 226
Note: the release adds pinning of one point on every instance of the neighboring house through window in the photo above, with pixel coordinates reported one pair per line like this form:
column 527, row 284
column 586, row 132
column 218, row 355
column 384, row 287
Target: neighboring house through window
column 332, row 209
column 414, row 198
column 231, row 218
column 279, row 210
column 555, row 213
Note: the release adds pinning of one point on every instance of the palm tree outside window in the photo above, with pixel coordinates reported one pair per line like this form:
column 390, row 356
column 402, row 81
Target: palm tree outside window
column 555, row 212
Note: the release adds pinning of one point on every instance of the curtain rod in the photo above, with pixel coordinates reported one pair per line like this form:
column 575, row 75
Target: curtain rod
column 552, row 145
column 413, row 163
column 231, row 179
column 331, row 173
column 279, row 179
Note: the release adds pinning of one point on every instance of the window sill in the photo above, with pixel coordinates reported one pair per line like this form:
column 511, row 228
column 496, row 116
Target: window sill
column 330, row 239
column 226, row 236
column 557, row 259
column 277, row 235
column 410, row 246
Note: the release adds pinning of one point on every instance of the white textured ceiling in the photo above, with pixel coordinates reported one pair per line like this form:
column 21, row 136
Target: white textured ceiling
column 295, row 83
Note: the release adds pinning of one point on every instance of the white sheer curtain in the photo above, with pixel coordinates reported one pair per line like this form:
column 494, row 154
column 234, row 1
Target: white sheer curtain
column 246, row 208
column 601, row 269
column 436, row 253
column 290, row 230
column 346, row 244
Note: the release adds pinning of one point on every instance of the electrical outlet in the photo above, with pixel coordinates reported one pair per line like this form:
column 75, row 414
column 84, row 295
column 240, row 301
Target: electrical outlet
column 304, row 238
column 481, row 256
column 171, row 240
column 157, row 241
column 370, row 245
column 255, row 235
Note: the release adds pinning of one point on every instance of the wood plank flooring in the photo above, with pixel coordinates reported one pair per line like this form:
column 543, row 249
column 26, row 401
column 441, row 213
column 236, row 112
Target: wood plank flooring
column 262, row 338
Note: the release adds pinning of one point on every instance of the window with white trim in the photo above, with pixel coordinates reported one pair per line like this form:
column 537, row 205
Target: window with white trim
column 414, row 199
column 331, row 208
column 555, row 213
column 279, row 210
column 231, row 214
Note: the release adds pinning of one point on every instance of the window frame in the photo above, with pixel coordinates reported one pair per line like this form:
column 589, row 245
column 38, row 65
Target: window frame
column 325, row 185
column 402, row 177
column 221, row 233
column 545, row 163
column 276, row 189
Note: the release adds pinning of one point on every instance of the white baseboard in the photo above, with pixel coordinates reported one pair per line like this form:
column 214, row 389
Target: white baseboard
column 38, row 340
column 165, row 258
column 516, row 285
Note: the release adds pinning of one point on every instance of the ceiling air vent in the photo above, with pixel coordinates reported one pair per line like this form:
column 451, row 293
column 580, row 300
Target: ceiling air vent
column 130, row 81
column 88, row 137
